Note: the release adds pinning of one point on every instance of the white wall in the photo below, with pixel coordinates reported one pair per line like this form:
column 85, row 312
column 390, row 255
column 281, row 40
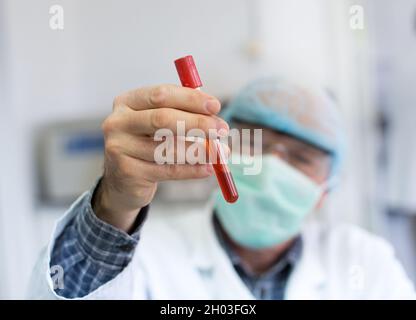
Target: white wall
column 394, row 49
column 349, row 55
column 110, row 46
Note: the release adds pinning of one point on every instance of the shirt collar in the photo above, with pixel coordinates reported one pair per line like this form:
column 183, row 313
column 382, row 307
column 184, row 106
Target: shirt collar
column 289, row 258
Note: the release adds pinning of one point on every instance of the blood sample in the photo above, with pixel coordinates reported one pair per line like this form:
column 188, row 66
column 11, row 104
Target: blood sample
column 188, row 74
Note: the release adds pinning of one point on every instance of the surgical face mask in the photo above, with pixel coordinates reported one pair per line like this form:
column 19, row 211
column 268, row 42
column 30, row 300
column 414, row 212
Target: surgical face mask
column 271, row 206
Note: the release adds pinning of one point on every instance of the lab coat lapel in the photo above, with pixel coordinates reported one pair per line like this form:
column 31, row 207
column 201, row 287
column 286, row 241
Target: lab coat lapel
column 308, row 280
column 214, row 266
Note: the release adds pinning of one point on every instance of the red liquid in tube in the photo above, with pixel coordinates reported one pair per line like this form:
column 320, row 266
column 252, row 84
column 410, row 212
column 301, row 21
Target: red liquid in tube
column 188, row 74
column 223, row 173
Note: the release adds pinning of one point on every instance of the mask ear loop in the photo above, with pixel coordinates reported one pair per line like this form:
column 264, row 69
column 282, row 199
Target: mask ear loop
column 327, row 187
column 330, row 184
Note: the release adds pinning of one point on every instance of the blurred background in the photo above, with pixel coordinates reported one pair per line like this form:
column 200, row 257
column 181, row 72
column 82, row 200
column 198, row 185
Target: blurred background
column 57, row 85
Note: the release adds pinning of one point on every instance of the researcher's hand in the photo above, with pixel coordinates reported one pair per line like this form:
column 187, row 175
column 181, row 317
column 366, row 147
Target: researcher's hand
column 130, row 172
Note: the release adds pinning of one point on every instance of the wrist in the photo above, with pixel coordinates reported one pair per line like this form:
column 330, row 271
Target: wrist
column 113, row 207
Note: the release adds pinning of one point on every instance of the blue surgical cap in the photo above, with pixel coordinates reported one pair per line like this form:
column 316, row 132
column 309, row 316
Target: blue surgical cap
column 306, row 113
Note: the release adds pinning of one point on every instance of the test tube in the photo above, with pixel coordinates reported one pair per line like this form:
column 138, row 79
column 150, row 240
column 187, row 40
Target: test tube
column 189, row 77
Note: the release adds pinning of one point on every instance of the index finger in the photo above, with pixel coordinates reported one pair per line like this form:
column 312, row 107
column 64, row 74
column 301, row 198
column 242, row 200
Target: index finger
column 170, row 96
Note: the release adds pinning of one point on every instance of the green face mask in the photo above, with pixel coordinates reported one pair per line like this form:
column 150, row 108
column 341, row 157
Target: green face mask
column 271, row 205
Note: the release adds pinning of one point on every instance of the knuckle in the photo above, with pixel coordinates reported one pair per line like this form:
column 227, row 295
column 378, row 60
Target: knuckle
column 112, row 148
column 158, row 95
column 108, row 125
column 160, row 118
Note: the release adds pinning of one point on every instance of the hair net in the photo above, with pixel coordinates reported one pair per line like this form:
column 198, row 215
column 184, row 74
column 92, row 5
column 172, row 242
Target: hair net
column 305, row 113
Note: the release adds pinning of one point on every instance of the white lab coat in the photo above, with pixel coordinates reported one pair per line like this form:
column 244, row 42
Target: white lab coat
column 179, row 257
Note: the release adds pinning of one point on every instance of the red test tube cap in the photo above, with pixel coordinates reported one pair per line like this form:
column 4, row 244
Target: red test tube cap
column 188, row 74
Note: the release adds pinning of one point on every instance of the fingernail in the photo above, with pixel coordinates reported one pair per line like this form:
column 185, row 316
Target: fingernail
column 212, row 106
column 222, row 129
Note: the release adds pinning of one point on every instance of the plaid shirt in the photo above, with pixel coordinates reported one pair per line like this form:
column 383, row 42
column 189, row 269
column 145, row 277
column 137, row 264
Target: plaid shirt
column 92, row 252
column 271, row 284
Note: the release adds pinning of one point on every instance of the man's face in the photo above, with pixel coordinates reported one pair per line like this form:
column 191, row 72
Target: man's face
column 312, row 161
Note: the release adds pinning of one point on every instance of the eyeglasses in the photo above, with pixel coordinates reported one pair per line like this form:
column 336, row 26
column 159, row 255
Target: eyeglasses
column 313, row 162
column 312, row 165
